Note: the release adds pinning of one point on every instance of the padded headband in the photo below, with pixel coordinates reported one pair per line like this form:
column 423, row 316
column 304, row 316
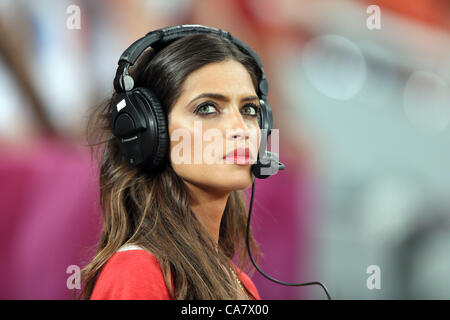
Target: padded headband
column 162, row 37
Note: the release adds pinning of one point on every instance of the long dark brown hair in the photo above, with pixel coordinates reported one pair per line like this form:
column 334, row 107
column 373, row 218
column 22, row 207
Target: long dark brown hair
column 153, row 210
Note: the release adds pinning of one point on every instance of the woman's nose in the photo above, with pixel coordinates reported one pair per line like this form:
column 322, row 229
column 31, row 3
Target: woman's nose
column 236, row 126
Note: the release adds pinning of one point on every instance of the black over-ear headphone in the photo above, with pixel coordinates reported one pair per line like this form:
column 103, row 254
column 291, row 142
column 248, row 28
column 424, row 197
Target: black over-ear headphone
column 140, row 122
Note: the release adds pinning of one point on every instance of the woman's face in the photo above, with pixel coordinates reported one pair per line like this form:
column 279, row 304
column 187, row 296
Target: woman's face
column 215, row 114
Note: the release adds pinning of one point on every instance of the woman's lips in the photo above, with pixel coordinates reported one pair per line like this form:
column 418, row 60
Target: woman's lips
column 239, row 156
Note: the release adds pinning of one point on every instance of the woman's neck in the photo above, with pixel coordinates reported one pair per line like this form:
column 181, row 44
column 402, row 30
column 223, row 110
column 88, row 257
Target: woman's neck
column 208, row 207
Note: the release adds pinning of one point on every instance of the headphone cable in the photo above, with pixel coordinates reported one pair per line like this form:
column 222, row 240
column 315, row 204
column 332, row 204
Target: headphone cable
column 262, row 272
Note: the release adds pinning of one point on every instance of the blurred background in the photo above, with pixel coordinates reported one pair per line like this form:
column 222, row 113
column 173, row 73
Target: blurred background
column 361, row 99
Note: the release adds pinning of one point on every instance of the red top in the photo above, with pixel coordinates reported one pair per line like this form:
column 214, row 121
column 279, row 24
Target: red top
column 136, row 275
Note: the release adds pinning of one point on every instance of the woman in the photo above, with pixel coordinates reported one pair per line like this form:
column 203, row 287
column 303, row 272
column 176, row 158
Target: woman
column 171, row 233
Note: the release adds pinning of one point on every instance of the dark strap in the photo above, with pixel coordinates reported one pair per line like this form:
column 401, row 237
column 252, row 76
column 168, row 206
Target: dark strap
column 162, row 37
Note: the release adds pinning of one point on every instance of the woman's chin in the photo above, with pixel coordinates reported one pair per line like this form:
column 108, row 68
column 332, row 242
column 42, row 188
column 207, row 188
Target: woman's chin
column 236, row 181
column 226, row 177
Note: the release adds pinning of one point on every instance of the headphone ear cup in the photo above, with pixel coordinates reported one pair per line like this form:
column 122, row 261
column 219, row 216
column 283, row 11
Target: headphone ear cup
column 265, row 118
column 154, row 109
column 258, row 116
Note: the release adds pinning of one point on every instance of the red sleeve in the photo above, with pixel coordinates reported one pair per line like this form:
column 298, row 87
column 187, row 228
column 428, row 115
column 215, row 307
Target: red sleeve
column 131, row 275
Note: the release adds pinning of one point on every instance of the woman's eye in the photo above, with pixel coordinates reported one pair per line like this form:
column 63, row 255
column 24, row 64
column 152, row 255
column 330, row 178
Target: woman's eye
column 250, row 110
column 205, row 109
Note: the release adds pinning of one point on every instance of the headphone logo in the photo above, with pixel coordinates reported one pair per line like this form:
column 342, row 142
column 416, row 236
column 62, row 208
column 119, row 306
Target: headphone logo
column 122, row 104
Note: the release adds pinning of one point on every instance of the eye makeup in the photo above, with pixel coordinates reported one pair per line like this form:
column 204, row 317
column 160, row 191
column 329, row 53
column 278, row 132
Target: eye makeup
column 201, row 106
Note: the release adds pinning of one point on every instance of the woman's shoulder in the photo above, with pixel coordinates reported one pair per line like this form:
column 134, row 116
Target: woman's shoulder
column 131, row 256
column 131, row 273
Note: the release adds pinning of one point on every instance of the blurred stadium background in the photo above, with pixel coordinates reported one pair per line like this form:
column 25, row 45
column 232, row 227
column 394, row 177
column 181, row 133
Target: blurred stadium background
column 363, row 117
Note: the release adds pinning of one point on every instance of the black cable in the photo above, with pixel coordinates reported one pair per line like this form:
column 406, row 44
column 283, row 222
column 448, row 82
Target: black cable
column 260, row 271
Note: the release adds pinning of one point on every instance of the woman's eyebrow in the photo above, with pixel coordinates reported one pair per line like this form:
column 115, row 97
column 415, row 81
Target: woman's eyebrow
column 219, row 96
